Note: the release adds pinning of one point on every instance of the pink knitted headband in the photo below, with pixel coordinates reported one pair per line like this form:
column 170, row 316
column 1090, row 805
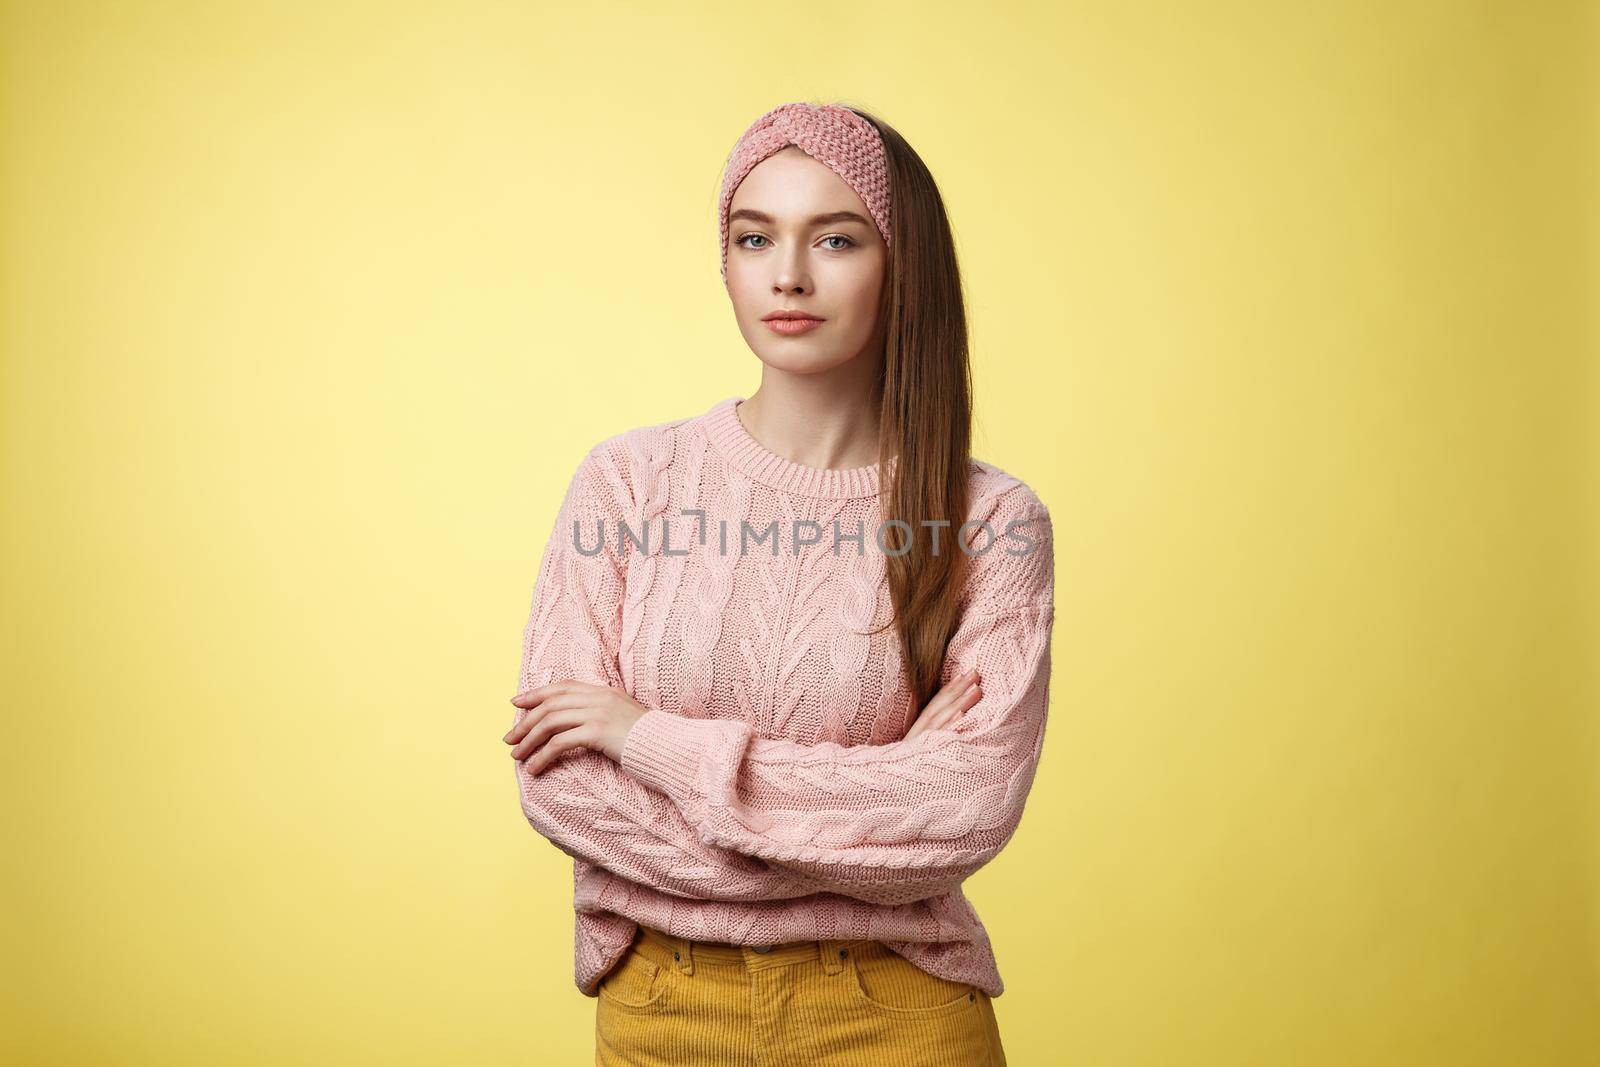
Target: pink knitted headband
column 828, row 133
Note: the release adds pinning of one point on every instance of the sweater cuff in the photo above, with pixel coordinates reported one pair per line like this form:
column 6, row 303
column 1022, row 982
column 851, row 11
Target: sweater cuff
column 664, row 750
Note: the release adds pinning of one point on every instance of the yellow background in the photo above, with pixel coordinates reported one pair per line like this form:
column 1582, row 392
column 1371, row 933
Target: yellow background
column 1287, row 311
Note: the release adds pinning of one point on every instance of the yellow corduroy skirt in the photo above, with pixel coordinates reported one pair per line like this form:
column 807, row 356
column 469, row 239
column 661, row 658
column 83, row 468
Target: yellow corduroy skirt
column 675, row 1002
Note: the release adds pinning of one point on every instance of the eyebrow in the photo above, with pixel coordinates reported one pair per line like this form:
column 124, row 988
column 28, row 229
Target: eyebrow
column 815, row 220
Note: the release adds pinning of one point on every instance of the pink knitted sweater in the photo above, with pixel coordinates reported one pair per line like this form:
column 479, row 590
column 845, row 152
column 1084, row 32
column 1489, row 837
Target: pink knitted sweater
column 770, row 795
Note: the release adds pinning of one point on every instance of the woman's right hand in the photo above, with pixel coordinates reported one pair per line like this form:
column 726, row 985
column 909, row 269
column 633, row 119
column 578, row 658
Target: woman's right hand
column 958, row 694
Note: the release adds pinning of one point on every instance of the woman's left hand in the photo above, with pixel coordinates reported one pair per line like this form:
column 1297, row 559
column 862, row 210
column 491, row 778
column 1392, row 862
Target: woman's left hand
column 571, row 714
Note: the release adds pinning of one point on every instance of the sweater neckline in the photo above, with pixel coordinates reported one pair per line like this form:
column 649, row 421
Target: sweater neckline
column 742, row 451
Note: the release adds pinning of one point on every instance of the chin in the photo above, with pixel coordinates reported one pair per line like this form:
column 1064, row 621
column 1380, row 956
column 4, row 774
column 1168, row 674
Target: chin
column 798, row 358
column 806, row 354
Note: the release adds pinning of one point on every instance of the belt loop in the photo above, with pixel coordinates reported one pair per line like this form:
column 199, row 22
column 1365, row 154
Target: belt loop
column 834, row 955
column 683, row 953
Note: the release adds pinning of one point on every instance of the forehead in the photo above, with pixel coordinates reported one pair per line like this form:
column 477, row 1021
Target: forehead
column 790, row 182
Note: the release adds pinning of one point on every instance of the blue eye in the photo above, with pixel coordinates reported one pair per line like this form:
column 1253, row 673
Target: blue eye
column 831, row 237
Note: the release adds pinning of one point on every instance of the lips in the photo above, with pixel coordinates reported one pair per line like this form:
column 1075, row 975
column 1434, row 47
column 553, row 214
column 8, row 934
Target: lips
column 790, row 321
column 790, row 327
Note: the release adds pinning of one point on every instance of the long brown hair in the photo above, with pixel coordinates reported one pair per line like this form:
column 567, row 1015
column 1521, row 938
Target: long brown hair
column 926, row 418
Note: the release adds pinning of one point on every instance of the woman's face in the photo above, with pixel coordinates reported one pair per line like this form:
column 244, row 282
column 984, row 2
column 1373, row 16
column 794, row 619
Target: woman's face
column 799, row 238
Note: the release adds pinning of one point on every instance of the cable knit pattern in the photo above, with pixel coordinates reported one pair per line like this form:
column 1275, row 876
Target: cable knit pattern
column 769, row 794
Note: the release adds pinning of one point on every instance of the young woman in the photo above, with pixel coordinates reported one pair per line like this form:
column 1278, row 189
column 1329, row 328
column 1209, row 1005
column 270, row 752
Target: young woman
column 785, row 676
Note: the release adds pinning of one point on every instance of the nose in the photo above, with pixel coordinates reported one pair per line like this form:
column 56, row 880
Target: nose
column 792, row 276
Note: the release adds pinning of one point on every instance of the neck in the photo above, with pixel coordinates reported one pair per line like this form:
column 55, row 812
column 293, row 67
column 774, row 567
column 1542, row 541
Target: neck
column 814, row 421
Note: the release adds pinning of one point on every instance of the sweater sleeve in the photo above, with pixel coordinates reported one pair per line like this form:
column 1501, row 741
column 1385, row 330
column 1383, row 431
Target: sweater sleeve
column 583, row 803
column 895, row 822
